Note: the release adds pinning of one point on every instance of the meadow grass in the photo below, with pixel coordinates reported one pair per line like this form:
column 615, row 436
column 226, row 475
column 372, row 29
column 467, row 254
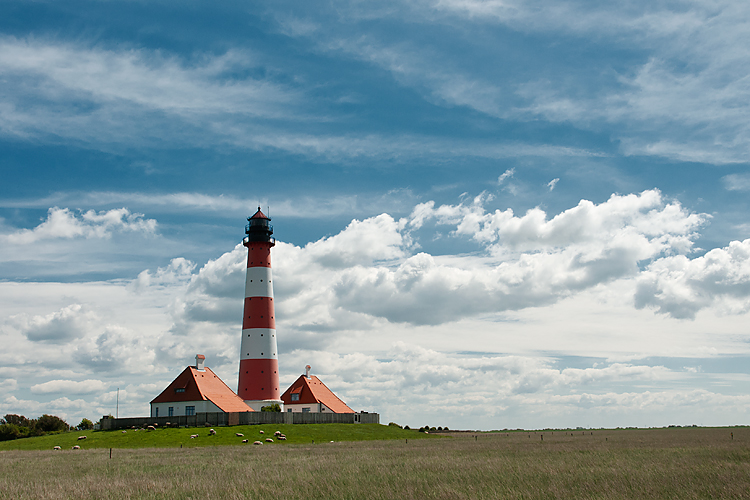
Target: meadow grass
column 176, row 438
column 659, row 463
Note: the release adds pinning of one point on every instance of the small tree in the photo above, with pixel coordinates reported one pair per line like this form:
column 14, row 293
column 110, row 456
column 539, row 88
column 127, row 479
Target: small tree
column 271, row 408
column 50, row 423
column 85, row 425
column 18, row 420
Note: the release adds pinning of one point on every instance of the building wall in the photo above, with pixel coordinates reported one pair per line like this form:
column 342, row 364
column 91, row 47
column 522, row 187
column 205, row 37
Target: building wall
column 179, row 408
column 312, row 408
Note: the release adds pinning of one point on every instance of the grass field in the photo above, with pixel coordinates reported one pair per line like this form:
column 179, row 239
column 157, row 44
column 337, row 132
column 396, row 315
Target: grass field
column 679, row 463
column 176, row 438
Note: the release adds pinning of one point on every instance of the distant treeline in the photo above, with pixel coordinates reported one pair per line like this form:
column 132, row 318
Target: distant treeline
column 17, row 426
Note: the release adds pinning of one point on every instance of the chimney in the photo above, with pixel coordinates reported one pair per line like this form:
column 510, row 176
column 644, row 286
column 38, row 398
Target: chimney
column 200, row 359
column 307, row 371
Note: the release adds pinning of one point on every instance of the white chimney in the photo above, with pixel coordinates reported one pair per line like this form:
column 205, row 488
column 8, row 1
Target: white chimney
column 200, row 359
column 307, row 371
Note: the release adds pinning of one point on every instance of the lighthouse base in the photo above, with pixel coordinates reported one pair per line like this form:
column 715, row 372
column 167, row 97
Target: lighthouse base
column 256, row 405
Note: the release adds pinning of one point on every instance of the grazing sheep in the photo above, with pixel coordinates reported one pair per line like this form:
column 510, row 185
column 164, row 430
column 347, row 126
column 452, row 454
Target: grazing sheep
column 151, row 428
column 257, row 442
column 282, row 438
column 239, row 435
column 193, row 436
column 76, row 447
column 282, row 435
column 262, row 432
column 124, row 432
column 244, row 440
column 269, row 440
column 277, row 433
column 212, row 432
column 81, row 437
column 57, row 448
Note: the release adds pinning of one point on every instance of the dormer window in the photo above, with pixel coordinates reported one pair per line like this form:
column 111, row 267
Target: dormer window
column 295, row 397
column 180, row 389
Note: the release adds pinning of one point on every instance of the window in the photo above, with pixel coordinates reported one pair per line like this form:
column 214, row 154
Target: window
column 295, row 397
column 305, row 410
column 289, row 410
column 180, row 389
column 157, row 412
column 171, row 411
column 190, row 410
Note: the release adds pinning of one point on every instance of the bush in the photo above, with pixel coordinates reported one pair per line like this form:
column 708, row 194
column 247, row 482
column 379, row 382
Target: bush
column 18, row 420
column 394, row 424
column 406, row 427
column 85, row 425
column 50, row 423
column 271, row 408
column 12, row 431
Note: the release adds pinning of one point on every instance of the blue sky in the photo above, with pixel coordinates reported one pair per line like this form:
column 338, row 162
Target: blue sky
column 490, row 214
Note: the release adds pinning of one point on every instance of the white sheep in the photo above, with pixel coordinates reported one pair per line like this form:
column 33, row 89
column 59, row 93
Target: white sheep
column 269, row 440
column 277, row 433
column 239, row 435
column 262, row 432
column 282, row 438
column 76, row 447
column 212, row 432
column 244, row 440
column 81, row 437
column 257, row 442
column 151, row 428
column 57, row 448
column 124, row 432
column 193, row 436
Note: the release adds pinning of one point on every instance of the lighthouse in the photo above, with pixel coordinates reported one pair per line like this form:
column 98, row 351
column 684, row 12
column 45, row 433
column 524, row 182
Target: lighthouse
column 259, row 364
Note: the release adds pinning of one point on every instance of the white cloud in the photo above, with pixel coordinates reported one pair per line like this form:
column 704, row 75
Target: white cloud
column 66, row 224
column 69, row 323
column 681, row 287
column 737, row 182
column 90, row 386
column 551, row 184
column 179, row 270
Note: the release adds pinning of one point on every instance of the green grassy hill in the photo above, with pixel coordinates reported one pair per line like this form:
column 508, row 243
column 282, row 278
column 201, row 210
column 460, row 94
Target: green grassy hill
column 174, row 438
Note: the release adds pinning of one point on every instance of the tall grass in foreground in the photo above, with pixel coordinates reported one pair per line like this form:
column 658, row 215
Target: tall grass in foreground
column 664, row 463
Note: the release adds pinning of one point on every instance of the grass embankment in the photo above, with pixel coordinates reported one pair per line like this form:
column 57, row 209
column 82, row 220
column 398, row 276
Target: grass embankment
column 635, row 464
column 175, row 438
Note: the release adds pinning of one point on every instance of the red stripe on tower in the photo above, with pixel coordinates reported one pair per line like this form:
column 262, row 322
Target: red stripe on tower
column 259, row 365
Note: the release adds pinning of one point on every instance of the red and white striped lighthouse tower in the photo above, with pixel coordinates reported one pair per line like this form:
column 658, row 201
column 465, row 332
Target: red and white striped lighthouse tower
column 259, row 364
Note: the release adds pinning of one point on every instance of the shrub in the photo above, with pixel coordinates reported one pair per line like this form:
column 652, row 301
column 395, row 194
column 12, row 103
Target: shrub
column 406, row 427
column 14, row 419
column 50, row 423
column 394, row 424
column 85, row 425
column 271, row 408
column 12, row 431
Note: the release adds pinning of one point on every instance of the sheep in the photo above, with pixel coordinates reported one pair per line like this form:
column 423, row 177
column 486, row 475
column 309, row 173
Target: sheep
column 262, row 432
column 257, row 442
column 239, row 434
column 277, row 433
column 81, row 437
column 76, row 447
column 269, row 440
column 151, row 428
column 282, row 438
column 212, row 432
column 193, row 436
column 57, row 448
column 124, row 432
column 244, row 440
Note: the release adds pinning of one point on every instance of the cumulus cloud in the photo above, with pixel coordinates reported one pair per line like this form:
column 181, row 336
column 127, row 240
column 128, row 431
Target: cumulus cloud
column 369, row 272
column 67, row 224
column 70, row 322
column 90, row 386
column 179, row 270
column 680, row 287
column 115, row 350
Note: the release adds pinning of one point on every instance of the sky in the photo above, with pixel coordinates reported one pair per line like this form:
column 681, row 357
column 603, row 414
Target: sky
column 489, row 214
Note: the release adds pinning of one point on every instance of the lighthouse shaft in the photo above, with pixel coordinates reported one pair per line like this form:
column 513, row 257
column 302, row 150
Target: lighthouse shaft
column 259, row 366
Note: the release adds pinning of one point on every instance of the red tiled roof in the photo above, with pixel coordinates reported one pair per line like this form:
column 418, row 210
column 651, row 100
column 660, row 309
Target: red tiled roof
column 312, row 391
column 259, row 215
column 202, row 386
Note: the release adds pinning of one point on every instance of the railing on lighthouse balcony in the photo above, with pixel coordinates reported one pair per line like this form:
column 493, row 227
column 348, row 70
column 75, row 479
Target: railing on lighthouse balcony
column 259, row 229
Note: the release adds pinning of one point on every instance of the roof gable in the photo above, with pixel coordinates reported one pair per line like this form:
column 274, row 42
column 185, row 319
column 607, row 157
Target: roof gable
column 312, row 391
column 202, row 385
